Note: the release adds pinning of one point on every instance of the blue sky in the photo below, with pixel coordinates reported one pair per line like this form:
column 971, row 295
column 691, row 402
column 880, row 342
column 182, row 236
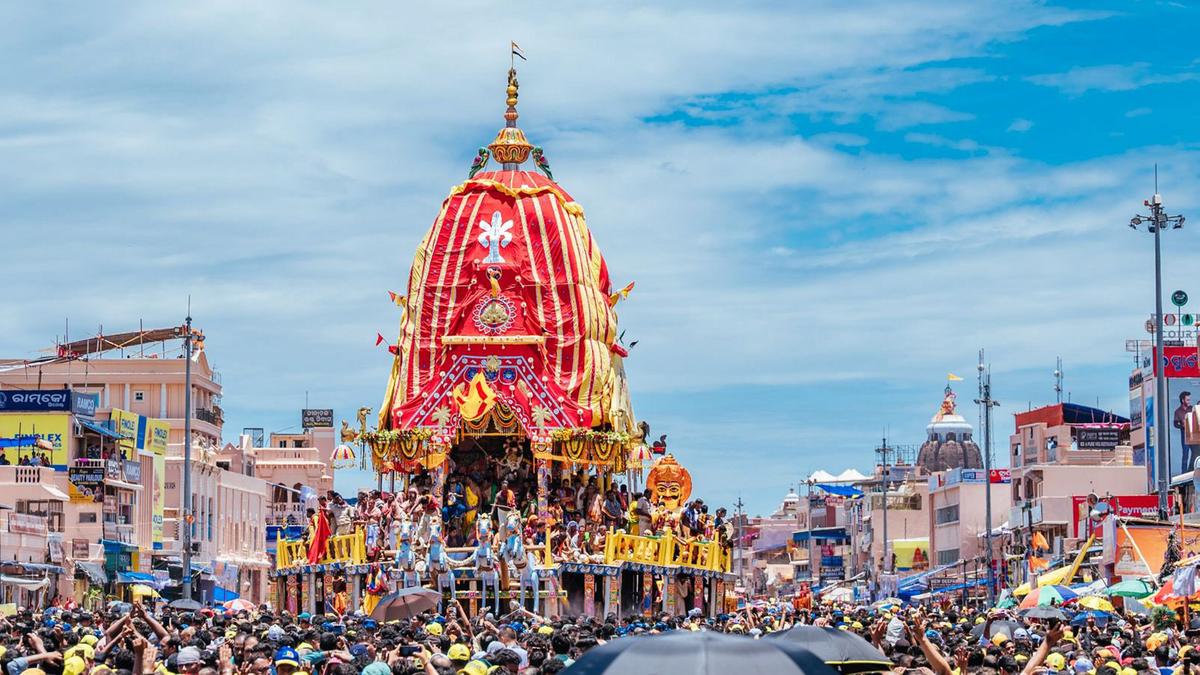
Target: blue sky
column 826, row 206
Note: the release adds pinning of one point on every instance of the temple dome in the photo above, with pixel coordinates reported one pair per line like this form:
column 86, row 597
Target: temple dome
column 949, row 442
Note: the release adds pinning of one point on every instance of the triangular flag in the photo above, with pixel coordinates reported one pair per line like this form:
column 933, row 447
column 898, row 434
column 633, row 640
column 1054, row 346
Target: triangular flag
column 620, row 295
column 397, row 299
column 953, row 378
column 379, row 339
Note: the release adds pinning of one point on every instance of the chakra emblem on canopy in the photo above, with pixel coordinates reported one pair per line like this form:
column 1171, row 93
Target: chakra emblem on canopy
column 495, row 235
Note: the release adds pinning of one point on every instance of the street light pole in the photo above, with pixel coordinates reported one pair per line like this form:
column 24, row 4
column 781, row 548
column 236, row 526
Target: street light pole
column 187, row 458
column 1155, row 222
column 741, row 551
column 985, row 400
column 887, row 559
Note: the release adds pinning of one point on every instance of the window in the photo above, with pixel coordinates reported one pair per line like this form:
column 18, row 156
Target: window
column 139, row 396
column 947, row 557
column 947, row 514
column 51, row 510
column 86, row 517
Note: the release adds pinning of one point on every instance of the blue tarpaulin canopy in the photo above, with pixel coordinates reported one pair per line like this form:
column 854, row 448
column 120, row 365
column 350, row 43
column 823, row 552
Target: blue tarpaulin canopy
column 223, row 594
column 98, row 428
column 137, row 578
column 834, row 533
column 841, row 490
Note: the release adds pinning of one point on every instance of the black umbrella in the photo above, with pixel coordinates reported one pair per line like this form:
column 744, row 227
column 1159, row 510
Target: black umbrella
column 700, row 653
column 186, row 604
column 848, row 652
column 405, row 604
column 999, row 626
column 1044, row 612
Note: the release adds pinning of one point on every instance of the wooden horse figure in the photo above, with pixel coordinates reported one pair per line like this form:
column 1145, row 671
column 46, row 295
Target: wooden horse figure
column 406, row 556
column 484, row 559
column 519, row 559
column 437, row 563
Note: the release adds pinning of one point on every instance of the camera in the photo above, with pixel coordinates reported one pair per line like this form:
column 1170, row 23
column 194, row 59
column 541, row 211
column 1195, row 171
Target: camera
column 410, row 650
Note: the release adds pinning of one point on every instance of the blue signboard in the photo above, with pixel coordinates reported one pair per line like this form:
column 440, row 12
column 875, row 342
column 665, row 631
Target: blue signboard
column 49, row 400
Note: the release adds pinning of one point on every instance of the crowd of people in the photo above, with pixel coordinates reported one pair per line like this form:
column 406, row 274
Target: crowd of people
column 945, row 639
column 581, row 508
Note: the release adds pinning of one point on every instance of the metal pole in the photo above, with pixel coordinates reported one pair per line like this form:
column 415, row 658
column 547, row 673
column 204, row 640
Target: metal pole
column 187, row 458
column 887, row 559
column 1160, row 379
column 813, row 577
column 985, row 400
column 740, row 551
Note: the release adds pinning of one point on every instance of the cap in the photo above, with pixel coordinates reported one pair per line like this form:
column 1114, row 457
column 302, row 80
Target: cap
column 459, row 652
column 286, row 656
column 545, row 630
column 474, row 668
column 304, row 616
column 433, row 628
column 73, row 666
column 1056, row 661
column 999, row 639
column 188, row 655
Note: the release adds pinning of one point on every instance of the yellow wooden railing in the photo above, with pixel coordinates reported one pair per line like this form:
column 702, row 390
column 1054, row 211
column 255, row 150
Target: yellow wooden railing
column 666, row 550
column 350, row 549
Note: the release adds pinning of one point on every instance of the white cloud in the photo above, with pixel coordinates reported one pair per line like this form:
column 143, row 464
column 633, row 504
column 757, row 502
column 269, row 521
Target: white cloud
column 1020, row 125
column 1115, row 77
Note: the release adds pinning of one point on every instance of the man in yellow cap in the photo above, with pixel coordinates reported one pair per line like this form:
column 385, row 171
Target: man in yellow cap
column 459, row 654
column 474, row 668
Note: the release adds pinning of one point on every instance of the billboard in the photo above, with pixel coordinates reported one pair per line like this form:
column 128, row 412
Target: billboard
column 1097, row 437
column 1124, row 506
column 1139, row 549
column 911, row 554
column 316, row 417
column 1182, row 394
column 1178, row 362
column 53, row 428
column 125, row 423
column 157, row 434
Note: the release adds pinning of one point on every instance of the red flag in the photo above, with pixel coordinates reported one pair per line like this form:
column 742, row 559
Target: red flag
column 394, row 349
column 320, row 535
column 397, row 299
column 378, row 339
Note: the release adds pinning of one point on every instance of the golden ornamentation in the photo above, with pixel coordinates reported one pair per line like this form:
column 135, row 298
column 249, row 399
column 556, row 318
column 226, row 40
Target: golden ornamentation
column 670, row 483
column 494, row 314
column 510, row 146
column 493, row 339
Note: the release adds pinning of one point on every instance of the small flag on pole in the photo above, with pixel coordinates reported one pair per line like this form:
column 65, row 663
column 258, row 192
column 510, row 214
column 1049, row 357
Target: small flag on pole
column 620, row 295
column 518, row 52
column 953, row 378
column 378, row 339
column 397, row 299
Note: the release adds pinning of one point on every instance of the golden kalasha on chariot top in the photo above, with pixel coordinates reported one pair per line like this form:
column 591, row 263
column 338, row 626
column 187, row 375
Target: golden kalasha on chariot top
column 508, row 368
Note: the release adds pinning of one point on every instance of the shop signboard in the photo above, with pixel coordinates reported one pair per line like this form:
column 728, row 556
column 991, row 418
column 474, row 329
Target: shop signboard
column 1097, row 438
column 1090, row 517
column 86, row 483
column 131, row 470
column 80, row 549
column 311, row 418
column 21, row 523
column 51, row 429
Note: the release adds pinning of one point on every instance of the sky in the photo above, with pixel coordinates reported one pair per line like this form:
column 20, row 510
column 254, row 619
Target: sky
column 826, row 206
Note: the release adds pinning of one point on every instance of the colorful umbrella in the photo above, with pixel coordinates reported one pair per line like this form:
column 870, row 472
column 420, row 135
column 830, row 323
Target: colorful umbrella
column 238, row 605
column 142, row 590
column 1131, row 588
column 1047, row 595
column 1095, row 602
column 343, row 457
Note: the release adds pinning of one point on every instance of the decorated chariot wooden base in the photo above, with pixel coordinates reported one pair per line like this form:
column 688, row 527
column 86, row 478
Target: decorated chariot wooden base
column 509, row 366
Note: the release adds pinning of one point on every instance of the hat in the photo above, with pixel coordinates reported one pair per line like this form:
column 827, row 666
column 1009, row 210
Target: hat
column 304, row 616
column 474, row 668
column 459, row 652
column 286, row 656
column 1056, row 661
column 81, row 650
column 999, row 639
column 1020, row 634
column 545, row 630
column 188, row 655
column 73, row 666
column 1082, row 665
column 377, row 668
column 88, row 640
column 358, row 650
column 433, row 628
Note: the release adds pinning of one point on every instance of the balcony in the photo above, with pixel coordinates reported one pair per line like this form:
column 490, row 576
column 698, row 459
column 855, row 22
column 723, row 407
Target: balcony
column 348, row 549
column 214, row 415
column 284, row 514
column 666, row 550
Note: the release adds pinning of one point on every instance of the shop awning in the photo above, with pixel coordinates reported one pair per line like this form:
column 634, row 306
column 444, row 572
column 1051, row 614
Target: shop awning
column 43, row 567
column 94, row 571
column 112, row 545
column 98, row 428
column 27, row 583
column 841, row 490
column 834, row 533
column 137, row 578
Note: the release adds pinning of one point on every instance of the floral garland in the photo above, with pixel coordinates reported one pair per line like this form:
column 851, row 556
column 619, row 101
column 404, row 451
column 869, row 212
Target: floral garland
column 590, row 435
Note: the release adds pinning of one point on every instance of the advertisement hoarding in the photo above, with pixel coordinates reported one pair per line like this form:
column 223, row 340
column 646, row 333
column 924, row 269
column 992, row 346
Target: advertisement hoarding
column 1124, row 506
column 316, row 417
column 1151, row 543
column 53, row 428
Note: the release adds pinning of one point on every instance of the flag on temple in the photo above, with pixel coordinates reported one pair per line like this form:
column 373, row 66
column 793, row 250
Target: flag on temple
column 474, row 398
column 397, row 299
column 320, row 536
column 1036, row 563
column 622, row 294
column 379, row 339
column 953, row 378
column 518, row 52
